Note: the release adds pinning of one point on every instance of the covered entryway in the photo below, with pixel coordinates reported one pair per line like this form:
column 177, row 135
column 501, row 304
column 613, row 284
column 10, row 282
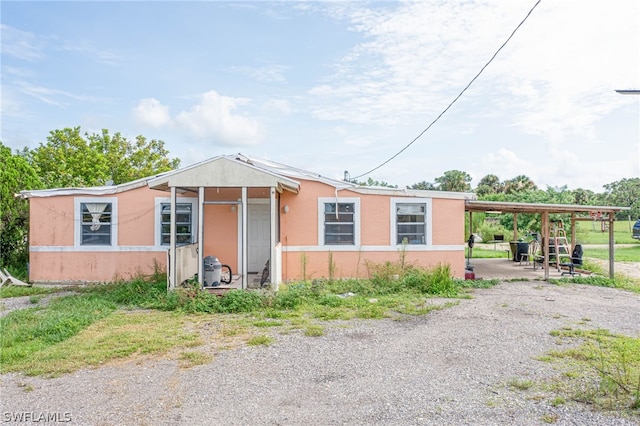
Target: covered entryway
column 237, row 217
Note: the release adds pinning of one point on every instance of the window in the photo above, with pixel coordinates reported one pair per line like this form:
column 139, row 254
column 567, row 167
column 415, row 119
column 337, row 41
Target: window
column 184, row 224
column 338, row 221
column 410, row 223
column 96, row 228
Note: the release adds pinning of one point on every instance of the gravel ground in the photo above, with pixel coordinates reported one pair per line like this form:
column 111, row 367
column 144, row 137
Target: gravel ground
column 450, row 367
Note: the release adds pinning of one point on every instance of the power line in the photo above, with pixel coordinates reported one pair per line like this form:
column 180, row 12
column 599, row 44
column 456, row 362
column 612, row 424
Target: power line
column 457, row 97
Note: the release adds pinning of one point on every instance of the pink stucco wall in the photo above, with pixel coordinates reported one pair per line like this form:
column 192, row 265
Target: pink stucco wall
column 302, row 258
column 53, row 256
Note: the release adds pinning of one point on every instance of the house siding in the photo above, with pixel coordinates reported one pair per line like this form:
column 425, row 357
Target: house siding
column 56, row 257
column 304, row 258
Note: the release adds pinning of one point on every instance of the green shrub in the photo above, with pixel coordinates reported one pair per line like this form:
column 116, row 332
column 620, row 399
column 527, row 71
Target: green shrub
column 330, row 300
column 236, row 301
column 441, row 283
column 293, row 295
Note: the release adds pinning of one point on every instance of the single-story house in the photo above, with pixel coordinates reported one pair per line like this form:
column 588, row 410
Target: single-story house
column 247, row 213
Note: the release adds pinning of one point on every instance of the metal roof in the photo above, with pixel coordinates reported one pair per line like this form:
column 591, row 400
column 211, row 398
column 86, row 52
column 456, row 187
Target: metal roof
column 511, row 207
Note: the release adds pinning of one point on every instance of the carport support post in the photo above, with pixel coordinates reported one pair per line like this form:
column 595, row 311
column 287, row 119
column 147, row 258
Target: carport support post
column 545, row 239
column 611, row 244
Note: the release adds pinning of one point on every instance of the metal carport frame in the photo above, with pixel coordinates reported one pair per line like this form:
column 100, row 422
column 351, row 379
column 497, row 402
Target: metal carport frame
column 472, row 206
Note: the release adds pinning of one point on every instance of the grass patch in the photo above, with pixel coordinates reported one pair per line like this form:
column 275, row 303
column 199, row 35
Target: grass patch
column 18, row 291
column 603, row 371
column 117, row 336
column 622, row 254
column 123, row 319
column 620, row 281
column 520, row 384
column 591, row 233
column 261, row 339
column 28, row 331
column 314, row 330
column 190, row 359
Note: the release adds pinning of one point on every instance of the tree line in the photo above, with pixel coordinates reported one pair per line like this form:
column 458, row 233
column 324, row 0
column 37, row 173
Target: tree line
column 72, row 158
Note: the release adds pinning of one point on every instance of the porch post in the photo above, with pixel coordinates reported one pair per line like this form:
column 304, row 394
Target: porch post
column 245, row 238
column 200, row 235
column 272, row 248
column 515, row 227
column 172, row 242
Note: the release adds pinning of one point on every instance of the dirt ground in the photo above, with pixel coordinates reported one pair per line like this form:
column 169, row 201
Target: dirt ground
column 450, row 367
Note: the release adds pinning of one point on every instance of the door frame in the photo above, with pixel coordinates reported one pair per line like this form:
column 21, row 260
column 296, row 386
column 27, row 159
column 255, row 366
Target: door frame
column 264, row 201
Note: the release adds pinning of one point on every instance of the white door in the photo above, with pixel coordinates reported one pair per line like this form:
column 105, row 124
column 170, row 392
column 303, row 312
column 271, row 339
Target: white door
column 259, row 237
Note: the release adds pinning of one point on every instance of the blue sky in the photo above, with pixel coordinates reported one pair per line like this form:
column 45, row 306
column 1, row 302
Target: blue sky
column 335, row 86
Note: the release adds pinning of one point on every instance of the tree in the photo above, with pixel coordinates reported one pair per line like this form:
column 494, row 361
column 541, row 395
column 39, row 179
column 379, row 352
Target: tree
column 68, row 159
column 455, row 181
column 423, row 185
column 490, row 184
column 15, row 175
column 130, row 161
column 371, row 182
column 624, row 193
column 584, row 197
column 519, row 183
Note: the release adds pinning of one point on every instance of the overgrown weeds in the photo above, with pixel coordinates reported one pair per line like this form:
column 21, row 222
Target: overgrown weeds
column 36, row 339
column 603, row 371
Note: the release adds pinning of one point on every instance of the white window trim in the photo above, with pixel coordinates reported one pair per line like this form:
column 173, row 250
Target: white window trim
column 159, row 201
column 394, row 220
column 356, row 220
column 77, row 214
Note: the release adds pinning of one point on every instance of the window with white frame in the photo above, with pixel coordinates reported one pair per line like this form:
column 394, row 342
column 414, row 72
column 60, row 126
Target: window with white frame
column 411, row 223
column 339, row 221
column 96, row 228
column 184, row 223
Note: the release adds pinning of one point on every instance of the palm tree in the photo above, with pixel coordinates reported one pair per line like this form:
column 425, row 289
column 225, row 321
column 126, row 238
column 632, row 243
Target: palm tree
column 490, row 184
column 455, row 181
column 519, row 183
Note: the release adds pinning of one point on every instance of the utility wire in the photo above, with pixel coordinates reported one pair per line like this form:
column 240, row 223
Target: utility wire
column 457, row 97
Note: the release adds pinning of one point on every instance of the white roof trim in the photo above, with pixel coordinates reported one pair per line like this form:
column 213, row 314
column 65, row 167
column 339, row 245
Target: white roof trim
column 288, row 175
column 91, row 190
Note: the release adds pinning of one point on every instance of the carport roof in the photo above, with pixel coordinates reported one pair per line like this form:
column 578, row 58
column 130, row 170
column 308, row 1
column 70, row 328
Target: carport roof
column 511, row 207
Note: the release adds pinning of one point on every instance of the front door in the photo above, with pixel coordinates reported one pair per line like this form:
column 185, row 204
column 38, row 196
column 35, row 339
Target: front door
column 259, row 236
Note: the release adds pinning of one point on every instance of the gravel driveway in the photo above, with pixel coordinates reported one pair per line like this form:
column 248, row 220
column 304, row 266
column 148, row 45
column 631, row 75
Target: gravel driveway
column 450, row 367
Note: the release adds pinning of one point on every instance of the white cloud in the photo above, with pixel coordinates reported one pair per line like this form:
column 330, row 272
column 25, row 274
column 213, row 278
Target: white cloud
column 19, row 44
column 214, row 118
column 47, row 95
column 556, row 73
column 151, row 112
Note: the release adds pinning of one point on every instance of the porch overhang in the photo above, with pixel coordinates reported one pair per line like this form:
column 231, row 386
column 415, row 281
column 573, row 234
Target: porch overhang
column 223, row 172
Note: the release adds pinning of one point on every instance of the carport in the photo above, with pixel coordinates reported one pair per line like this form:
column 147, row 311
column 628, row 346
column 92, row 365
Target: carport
column 577, row 212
